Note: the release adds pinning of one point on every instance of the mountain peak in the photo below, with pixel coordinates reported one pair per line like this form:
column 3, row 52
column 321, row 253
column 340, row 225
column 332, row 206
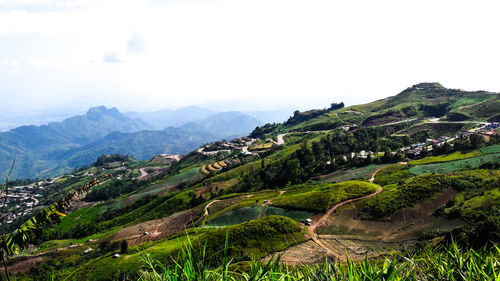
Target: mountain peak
column 99, row 111
column 427, row 85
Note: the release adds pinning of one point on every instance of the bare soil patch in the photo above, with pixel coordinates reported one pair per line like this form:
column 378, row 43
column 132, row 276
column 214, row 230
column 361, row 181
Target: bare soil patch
column 157, row 229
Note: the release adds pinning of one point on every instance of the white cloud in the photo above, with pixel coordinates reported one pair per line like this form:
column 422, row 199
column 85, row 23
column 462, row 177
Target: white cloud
column 112, row 58
column 308, row 53
column 136, row 44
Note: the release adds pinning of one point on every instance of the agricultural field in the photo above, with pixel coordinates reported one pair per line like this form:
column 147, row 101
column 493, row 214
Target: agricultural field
column 185, row 176
column 297, row 215
column 350, row 174
column 452, row 166
column 254, row 212
column 468, row 101
column 81, row 216
column 436, row 129
column 491, row 149
column 237, row 216
column 446, row 158
column 319, row 198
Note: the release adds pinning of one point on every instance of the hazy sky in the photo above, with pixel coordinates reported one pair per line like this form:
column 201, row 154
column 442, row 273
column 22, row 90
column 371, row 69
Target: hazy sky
column 140, row 55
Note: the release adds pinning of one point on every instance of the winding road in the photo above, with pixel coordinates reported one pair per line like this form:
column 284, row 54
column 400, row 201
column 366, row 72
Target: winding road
column 281, row 140
column 208, row 205
column 324, row 218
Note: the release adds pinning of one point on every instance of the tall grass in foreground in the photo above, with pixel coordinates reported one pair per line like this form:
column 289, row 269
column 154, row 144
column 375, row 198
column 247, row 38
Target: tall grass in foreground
column 438, row 263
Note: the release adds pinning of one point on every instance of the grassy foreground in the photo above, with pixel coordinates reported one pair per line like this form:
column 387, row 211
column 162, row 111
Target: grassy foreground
column 434, row 263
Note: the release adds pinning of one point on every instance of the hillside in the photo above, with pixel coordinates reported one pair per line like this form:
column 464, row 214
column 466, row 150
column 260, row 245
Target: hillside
column 419, row 103
column 381, row 194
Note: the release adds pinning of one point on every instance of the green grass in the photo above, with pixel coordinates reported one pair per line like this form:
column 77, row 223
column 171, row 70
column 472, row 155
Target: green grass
column 393, row 174
column 184, row 176
column 468, row 101
column 248, row 201
column 236, row 217
column 254, row 212
column 491, row 149
column 254, row 239
column 448, row 167
column 408, row 194
column 446, row 158
column 433, row 263
column 297, row 215
column 319, row 198
column 83, row 215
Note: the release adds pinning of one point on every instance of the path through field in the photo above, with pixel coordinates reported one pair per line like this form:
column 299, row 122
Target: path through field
column 208, row 205
column 324, row 218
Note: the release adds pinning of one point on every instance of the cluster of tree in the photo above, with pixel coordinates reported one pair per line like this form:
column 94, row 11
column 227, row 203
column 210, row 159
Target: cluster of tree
column 303, row 116
column 335, row 106
column 259, row 132
column 108, row 246
column 113, row 189
column 330, row 153
column 104, row 159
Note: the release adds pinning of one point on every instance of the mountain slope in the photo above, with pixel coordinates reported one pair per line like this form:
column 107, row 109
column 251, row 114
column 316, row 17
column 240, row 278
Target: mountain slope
column 419, row 102
column 164, row 118
column 355, row 193
column 141, row 145
column 225, row 124
column 33, row 146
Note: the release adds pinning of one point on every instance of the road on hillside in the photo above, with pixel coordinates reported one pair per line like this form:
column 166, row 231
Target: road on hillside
column 281, row 140
column 208, row 205
column 143, row 173
column 312, row 227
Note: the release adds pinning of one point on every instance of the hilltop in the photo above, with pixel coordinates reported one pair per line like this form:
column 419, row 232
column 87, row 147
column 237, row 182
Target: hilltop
column 381, row 179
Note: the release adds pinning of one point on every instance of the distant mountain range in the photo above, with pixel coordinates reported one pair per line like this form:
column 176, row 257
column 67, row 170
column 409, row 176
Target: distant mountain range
column 164, row 118
column 58, row 147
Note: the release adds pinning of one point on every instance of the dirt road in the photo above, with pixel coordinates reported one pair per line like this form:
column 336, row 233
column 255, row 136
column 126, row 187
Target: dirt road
column 143, row 173
column 208, row 205
column 281, row 140
column 324, row 218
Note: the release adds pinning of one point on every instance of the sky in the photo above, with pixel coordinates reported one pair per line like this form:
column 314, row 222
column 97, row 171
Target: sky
column 145, row 55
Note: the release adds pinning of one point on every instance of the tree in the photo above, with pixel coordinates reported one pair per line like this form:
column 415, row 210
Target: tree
column 335, row 106
column 123, row 246
column 476, row 141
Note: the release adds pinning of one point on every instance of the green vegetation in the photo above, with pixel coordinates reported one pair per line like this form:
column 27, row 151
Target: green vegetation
column 252, row 213
column 415, row 190
column 448, row 167
column 237, row 216
column 445, row 158
column 394, row 174
column 411, row 192
column 468, row 101
column 262, row 197
column 297, row 215
column 491, row 149
column 434, row 263
column 249, row 240
column 319, row 198
column 350, row 174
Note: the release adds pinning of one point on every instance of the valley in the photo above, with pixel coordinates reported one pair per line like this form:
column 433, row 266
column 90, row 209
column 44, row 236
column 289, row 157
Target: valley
column 373, row 181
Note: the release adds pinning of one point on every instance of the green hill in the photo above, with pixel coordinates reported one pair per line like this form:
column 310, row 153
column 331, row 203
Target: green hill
column 371, row 207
